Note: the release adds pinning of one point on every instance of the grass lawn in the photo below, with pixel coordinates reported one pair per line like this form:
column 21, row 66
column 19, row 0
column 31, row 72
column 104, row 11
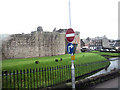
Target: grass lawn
column 48, row 78
column 27, row 63
column 106, row 53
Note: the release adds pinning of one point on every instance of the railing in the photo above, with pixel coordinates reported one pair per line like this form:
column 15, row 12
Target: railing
column 46, row 77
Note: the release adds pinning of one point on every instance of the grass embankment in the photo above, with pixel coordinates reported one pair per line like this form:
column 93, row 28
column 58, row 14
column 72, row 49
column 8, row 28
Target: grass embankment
column 48, row 78
column 27, row 63
column 108, row 54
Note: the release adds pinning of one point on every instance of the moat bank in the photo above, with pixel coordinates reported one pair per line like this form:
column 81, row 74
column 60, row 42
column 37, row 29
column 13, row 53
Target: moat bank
column 110, row 72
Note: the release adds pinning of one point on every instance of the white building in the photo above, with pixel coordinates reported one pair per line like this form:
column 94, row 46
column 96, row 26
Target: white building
column 98, row 43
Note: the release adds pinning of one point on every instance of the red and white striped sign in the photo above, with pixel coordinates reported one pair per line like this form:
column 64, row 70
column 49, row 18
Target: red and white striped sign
column 70, row 35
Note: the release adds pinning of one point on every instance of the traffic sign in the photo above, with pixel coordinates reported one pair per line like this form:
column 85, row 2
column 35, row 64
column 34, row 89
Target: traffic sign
column 70, row 48
column 73, row 57
column 70, row 35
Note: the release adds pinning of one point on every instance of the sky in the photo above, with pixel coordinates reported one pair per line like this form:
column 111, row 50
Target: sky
column 91, row 18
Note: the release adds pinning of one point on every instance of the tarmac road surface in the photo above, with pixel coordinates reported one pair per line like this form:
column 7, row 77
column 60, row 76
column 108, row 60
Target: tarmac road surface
column 112, row 84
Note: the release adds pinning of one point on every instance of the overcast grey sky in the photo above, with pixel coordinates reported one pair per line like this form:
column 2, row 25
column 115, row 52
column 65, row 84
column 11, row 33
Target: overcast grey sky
column 90, row 17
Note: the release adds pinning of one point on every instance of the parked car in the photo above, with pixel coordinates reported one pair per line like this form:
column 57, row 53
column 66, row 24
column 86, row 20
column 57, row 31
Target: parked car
column 85, row 49
column 113, row 50
column 101, row 50
column 107, row 49
column 104, row 50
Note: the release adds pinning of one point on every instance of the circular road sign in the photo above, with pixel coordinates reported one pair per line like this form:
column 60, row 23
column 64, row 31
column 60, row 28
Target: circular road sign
column 70, row 35
column 70, row 48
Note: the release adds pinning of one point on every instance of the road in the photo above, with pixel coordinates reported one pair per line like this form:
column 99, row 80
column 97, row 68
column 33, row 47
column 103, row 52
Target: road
column 108, row 85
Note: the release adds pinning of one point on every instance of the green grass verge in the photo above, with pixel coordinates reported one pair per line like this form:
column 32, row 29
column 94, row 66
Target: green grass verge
column 107, row 53
column 27, row 63
column 48, row 78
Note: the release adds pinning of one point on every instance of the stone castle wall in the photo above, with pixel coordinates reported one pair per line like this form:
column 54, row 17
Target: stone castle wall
column 36, row 44
column 75, row 41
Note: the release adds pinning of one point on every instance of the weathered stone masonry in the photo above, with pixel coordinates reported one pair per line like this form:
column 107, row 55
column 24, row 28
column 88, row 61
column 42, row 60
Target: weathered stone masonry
column 37, row 44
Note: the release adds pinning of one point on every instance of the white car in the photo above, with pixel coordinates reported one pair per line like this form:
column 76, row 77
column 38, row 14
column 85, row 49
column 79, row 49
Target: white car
column 107, row 49
column 101, row 49
column 112, row 50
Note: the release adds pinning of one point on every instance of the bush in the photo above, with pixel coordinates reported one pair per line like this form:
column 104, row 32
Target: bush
column 56, row 60
column 36, row 62
column 60, row 59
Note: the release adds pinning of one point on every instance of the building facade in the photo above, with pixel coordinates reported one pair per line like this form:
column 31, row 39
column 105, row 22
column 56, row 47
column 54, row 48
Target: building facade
column 97, row 43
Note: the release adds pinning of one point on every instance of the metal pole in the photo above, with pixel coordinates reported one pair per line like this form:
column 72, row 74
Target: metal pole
column 73, row 73
column 72, row 61
column 69, row 14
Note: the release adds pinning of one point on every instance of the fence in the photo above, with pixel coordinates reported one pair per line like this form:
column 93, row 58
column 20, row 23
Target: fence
column 47, row 76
